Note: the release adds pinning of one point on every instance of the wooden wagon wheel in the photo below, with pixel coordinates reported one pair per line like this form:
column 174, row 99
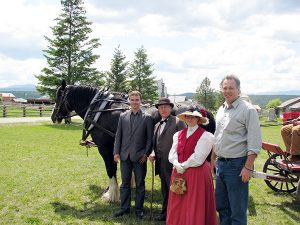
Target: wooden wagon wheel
column 298, row 193
column 271, row 167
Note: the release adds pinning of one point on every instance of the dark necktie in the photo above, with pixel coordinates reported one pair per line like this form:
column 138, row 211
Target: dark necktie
column 163, row 121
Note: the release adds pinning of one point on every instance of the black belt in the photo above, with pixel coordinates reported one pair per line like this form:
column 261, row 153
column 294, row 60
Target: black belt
column 228, row 159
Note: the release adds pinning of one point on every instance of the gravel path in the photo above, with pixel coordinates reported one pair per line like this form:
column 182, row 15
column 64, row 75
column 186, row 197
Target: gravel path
column 29, row 119
column 24, row 119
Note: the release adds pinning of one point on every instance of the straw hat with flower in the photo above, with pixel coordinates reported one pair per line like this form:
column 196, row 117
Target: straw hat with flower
column 201, row 119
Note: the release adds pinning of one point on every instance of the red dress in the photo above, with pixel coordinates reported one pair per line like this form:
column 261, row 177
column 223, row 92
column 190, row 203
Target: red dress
column 197, row 205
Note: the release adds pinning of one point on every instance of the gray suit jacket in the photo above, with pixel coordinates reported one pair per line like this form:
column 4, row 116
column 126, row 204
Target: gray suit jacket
column 163, row 144
column 136, row 142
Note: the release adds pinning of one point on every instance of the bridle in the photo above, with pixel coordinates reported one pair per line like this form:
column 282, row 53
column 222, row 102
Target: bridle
column 63, row 102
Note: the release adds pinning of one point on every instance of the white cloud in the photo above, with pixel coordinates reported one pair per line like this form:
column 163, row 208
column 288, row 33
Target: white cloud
column 19, row 71
column 23, row 21
column 185, row 39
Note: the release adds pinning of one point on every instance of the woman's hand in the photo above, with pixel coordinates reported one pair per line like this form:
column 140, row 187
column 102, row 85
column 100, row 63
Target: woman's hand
column 179, row 168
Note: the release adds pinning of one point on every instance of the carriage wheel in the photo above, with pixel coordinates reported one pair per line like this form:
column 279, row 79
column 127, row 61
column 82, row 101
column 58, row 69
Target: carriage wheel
column 298, row 192
column 271, row 167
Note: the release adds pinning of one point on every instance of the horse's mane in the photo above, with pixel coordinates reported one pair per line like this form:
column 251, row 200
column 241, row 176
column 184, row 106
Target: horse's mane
column 86, row 92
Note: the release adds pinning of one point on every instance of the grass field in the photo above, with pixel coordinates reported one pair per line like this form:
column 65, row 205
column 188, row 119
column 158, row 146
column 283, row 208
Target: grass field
column 47, row 178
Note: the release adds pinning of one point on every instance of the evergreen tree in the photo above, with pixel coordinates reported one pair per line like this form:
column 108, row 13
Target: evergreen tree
column 116, row 78
column 273, row 103
column 206, row 95
column 140, row 74
column 69, row 55
column 219, row 99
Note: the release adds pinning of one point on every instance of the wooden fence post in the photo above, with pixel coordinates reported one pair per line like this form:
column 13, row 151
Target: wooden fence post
column 4, row 111
column 41, row 111
column 24, row 110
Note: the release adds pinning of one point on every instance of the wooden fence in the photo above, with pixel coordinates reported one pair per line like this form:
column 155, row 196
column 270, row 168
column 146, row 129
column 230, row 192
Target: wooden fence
column 20, row 110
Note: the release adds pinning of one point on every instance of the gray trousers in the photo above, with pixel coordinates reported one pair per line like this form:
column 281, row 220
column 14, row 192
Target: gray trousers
column 140, row 171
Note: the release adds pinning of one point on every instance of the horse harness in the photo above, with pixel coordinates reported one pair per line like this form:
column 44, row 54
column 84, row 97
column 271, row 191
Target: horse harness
column 94, row 111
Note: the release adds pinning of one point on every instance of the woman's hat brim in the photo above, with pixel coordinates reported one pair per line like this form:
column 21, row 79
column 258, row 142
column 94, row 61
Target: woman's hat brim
column 201, row 120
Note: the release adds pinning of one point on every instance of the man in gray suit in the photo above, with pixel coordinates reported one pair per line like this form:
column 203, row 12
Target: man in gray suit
column 133, row 144
column 162, row 143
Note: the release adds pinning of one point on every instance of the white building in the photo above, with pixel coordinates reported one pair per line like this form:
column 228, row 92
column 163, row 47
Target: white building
column 161, row 88
column 245, row 97
column 177, row 98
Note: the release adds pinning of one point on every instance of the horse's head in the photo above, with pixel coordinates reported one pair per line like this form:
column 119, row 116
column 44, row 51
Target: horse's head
column 62, row 108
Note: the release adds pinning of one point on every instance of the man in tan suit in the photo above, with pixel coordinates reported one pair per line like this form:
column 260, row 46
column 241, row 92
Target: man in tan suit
column 162, row 143
column 291, row 137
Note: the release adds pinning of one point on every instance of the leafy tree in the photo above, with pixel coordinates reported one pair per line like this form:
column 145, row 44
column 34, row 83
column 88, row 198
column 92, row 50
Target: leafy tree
column 206, row 95
column 219, row 99
column 273, row 103
column 69, row 55
column 116, row 78
column 140, row 74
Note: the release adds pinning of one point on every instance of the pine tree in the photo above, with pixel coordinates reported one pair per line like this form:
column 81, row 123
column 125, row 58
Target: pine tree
column 116, row 78
column 140, row 74
column 69, row 55
column 206, row 95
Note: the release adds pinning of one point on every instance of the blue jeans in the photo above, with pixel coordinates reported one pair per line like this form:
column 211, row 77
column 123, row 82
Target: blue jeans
column 231, row 192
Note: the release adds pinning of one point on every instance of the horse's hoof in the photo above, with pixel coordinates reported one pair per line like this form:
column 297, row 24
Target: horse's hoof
column 107, row 197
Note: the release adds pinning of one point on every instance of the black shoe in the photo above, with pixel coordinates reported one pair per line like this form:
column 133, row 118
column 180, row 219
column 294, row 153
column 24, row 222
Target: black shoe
column 139, row 215
column 160, row 218
column 121, row 212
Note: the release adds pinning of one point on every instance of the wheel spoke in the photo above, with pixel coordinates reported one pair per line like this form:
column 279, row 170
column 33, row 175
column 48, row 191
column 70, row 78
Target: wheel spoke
column 294, row 186
column 276, row 183
column 281, row 186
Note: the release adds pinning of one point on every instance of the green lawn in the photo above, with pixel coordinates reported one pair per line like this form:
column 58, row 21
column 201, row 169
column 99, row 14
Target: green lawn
column 47, row 178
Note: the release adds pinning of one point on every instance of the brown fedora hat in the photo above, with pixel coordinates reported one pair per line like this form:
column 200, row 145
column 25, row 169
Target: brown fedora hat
column 164, row 101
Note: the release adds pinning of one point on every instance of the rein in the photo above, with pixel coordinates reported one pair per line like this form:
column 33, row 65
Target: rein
column 103, row 98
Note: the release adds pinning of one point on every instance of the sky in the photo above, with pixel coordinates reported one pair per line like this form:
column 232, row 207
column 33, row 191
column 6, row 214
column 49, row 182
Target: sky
column 186, row 40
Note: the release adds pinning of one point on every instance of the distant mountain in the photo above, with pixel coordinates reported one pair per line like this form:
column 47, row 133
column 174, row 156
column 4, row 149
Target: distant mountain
column 24, row 87
column 262, row 100
column 189, row 95
column 291, row 92
column 25, row 91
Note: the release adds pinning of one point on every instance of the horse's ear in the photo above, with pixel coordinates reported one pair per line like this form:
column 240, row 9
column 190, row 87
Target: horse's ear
column 63, row 84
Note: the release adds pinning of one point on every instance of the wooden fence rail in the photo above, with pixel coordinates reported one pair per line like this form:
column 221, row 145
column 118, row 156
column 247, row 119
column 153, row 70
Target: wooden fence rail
column 26, row 110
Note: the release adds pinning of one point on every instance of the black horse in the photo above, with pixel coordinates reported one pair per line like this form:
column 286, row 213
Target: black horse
column 101, row 110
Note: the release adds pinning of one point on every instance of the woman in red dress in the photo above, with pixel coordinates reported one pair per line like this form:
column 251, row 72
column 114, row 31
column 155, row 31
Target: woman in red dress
column 188, row 154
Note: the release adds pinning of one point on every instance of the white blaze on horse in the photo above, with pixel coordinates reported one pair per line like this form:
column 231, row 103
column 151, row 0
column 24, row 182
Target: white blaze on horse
column 100, row 110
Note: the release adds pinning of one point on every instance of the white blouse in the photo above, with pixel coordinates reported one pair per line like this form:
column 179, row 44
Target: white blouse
column 203, row 147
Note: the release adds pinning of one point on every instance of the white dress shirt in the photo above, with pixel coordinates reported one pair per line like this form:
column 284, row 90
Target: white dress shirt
column 203, row 147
